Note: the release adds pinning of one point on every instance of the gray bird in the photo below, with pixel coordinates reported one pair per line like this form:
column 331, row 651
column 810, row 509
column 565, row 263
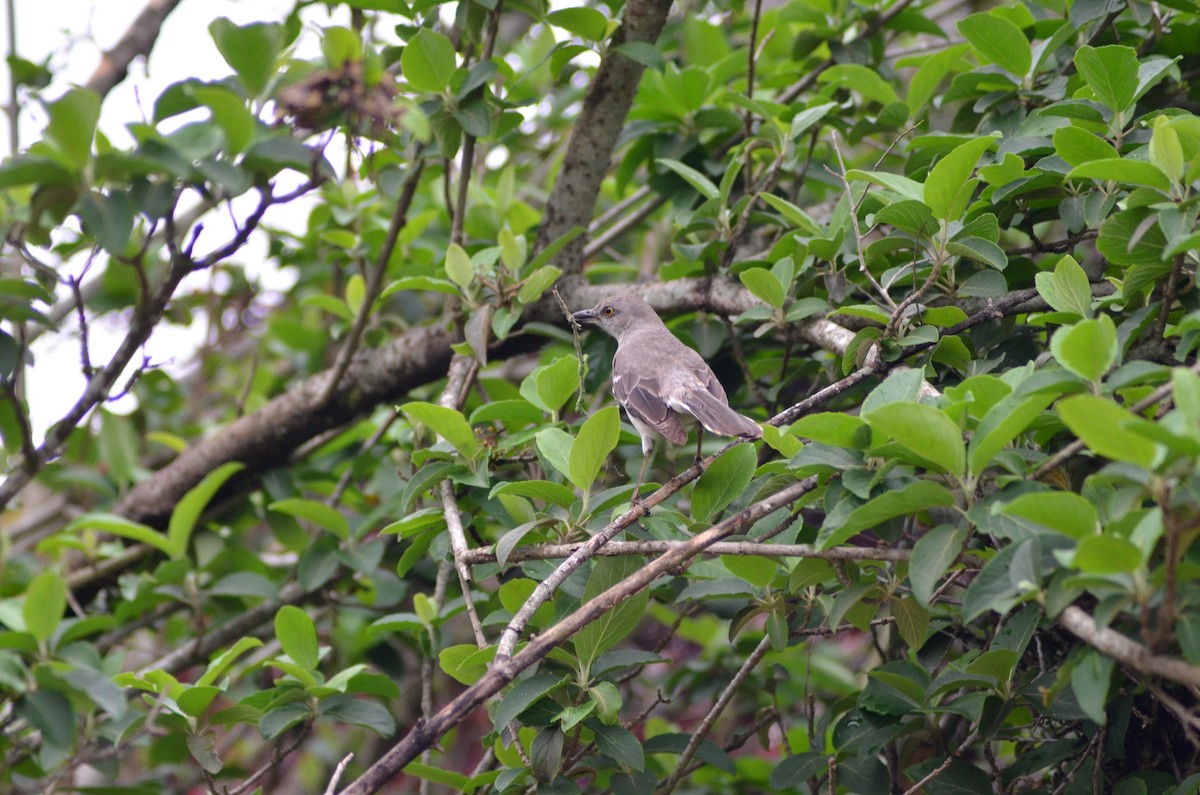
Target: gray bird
column 657, row 379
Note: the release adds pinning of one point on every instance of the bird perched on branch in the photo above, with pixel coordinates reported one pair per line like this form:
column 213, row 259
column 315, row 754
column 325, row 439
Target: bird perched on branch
column 657, row 379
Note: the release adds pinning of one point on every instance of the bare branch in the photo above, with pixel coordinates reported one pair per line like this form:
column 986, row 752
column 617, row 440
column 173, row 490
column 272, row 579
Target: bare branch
column 701, row 732
column 1127, row 651
column 481, row 555
column 572, row 202
column 138, row 40
column 502, row 672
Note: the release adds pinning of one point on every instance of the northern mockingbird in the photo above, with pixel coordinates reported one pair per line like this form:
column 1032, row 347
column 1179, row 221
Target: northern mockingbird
column 656, row 378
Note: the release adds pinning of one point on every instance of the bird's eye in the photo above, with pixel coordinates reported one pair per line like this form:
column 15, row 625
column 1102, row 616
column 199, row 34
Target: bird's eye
column 608, row 311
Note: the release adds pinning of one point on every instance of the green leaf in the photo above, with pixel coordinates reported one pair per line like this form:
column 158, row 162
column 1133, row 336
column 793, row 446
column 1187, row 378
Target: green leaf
column 948, row 187
column 357, row 712
column 50, row 713
column 446, row 423
column 917, row 496
column 297, row 635
column 933, row 553
column 1133, row 237
column 1063, row 511
column 904, row 187
column 466, row 663
column 544, row 490
column 862, row 79
column 799, row 767
column 586, row 23
column 608, row 630
column 276, row 721
column 324, row 516
column 428, row 61
column 551, row 385
column 229, row 111
column 999, row 41
column 120, row 526
column 1002, row 423
column 798, row 217
column 595, row 441
column 912, row 621
column 1124, row 170
column 108, row 218
column 764, row 286
column 701, row 183
column 187, row 511
column 1105, row 428
column 1088, row 349
column 458, row 266
column 523, row 694
column 45, row 600
column 340, row 45
column 723, row 482
column 1078, row 146
column 1090, row 680
column 455, row 781
column 620, row 745
column 249, row 50
column 754, row 569
column 72, row 125
column 537, row 283
column 980, row 250
column 1105, row 555
column 1066, row 289
column 924, row 431
column 555, row 444
column 1166, row 150
column 411, row 283
column 222, row 662
column 1111, row 72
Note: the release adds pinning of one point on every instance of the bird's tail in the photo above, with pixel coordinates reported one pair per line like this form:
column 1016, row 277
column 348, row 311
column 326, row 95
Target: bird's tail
column 718, row 418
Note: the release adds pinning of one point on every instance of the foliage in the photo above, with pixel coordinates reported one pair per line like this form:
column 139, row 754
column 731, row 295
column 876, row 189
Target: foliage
column 946, row 255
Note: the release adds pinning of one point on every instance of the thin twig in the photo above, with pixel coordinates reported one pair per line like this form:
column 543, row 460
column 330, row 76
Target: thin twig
column 276, row 757
column 374, row 283
column 714, row 712
column 338, row 771
column 940, row 769
column 504, row 670
column 852, row 207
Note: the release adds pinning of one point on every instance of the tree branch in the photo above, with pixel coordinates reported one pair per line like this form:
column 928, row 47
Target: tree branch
column 572, row 202
column 479, row 555
column 425, row 733
column 1127, row 651
column 138, row 40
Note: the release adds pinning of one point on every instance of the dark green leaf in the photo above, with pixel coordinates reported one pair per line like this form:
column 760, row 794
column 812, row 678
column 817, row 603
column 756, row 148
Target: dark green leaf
column 723, row 482
column 297, row 634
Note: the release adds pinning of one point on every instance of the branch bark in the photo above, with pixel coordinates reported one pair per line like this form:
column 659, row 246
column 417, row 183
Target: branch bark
column 138, row 40
column 572, row 202
column 1128, row 652
column 425, row 733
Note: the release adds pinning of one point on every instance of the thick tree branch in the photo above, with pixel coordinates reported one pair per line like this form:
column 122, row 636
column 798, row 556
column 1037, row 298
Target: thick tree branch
column 1128, row 652
column 138, row 40
column 268, row 437
column 572, row 202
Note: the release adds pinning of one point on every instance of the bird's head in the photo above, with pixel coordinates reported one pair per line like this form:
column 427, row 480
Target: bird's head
column 615, row 315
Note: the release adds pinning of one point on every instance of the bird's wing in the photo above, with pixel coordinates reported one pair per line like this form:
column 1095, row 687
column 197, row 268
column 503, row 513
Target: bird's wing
column 641, row 398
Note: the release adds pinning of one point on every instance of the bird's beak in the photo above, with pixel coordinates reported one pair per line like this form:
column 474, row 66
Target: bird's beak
column 587, row 317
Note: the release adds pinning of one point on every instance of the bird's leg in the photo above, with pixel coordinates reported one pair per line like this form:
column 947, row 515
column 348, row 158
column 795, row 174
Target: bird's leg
column 647, row 453
column 699, row 441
